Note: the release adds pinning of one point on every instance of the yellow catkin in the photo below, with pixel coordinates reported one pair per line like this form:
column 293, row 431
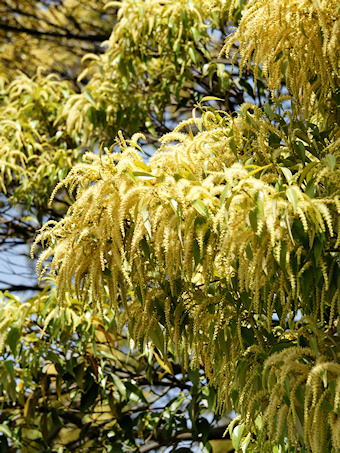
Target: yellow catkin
column 217, row 233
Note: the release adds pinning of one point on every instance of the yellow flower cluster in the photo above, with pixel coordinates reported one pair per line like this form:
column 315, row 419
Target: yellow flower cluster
column 148, row 59
column 295, row 42
column 235, row 220
column 34, row 145
column 205, row 242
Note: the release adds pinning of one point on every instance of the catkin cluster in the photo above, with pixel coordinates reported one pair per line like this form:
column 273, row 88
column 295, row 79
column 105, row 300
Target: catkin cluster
column 227, row 234
column 205, row 242
column 295, row 42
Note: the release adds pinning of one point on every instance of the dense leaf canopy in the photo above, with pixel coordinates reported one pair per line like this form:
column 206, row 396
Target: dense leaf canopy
column 222, row 249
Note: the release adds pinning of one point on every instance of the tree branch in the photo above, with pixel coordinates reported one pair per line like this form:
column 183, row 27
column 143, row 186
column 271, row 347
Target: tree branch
column 216, row 433
column 14, row 288
column 67, row 34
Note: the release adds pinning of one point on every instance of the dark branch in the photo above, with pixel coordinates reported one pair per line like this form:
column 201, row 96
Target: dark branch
column 13, row 288
column 216, row 433
column 55, row 34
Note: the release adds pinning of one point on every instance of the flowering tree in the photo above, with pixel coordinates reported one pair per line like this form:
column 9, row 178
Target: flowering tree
column 223, row 248
column 68, row 378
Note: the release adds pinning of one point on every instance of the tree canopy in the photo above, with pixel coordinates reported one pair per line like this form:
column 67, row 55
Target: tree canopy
column 219, row 253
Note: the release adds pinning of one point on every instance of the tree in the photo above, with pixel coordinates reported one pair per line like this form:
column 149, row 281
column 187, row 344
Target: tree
column 50, row 394
column 47, row 118
column 223, row 249
column 58, row 33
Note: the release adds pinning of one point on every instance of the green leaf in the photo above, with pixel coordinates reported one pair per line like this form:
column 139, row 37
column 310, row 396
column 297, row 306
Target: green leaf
column 196, row 252
column 4, row 429
column 302, row 135
column 203, row 428
column 332, row 387
column 201, row 208
column 88, row 398
column 253, row 172
column 141, row 165
column 287, row 173
column 146, row 219
column 173, row 405
column 194, row 376
column 143, row 173
column 236, row 436
column 268, row 110
column 88, row 97
column 326, row 406
column 119, row 385
column 130, row 174
column 287, row 385
column 157, row 338
column 283, row 255
column 310, row 188
column 300, row 395
column 274, row 140
column 107, row 272
column 279, row 56
column 195, row 34
column 260, row 202
column 54, row 358
column 305, row 171
column 132, row 388
column 13, row 338
column 9, row 367
column 303, row 30
column 139, row 294
column 300, row 150
column 292, row 197
column 174, row 205
column 224, row 194
column 249, row 252
column 189, row 223
column 314, row 345
column 299, row 421
column 253, row 218
column 56, row 420
column 193, row 55
column 317, row 249
column 184, row 17
column 145, row 247
column 233, row 147
column 330, row 160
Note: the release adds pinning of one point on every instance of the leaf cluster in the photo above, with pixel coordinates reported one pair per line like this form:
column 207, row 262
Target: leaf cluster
column 54, row 35
column 158, row 59
column 221, row 231
column 223, row 249
column 68, row 383
column 36, row 150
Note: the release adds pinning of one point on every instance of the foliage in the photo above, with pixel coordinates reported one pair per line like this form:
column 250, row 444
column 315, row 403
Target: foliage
column 156, row 68
column 218, row 257
column 53, row 34
column 44, row 123
column 68, row 384
column 68, row 379
column 36, row 151
column 311, row 75
column 232, row 224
